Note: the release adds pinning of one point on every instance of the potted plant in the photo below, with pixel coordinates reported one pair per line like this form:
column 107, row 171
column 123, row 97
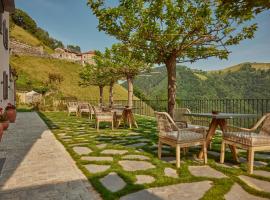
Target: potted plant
column 11, row 112
column 3, row 119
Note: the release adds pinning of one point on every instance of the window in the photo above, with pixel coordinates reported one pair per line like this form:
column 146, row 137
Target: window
column 5, row 34
column 1, row 16
column 5, row 85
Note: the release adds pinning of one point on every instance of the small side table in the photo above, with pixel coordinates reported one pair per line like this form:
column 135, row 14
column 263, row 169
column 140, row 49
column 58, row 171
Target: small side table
column 128, row 117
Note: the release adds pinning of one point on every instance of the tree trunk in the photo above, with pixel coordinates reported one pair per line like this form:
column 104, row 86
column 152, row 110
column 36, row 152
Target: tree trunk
column 111, row 95
column 171, row 70
column 130, row 91
column 101, row 95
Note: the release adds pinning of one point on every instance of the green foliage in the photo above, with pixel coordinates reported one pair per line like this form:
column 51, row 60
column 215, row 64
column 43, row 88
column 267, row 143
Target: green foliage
column 74, row 48
column 246, row 82
column 22, row 19
column 182, row 30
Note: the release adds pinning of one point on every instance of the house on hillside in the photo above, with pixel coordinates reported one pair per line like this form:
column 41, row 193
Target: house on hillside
column 7, row 82
column 66, row 54
column 87, row 58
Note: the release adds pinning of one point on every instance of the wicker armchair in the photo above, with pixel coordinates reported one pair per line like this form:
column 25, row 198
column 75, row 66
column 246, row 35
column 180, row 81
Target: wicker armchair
column 84, row 107
column 170, row 134
column 248, row 139
column 183, row 121
column 72, row 108
column 102, row 116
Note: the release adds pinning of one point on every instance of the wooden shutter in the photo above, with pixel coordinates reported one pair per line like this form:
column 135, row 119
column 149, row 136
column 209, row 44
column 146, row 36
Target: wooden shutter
column 5, row 85
column 5, row 34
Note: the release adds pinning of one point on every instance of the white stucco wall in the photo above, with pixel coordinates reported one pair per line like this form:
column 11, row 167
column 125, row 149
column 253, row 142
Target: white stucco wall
column 4, row 66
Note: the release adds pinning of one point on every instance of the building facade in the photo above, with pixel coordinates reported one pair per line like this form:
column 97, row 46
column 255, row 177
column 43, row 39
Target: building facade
column 7, row 82
column 81, row 58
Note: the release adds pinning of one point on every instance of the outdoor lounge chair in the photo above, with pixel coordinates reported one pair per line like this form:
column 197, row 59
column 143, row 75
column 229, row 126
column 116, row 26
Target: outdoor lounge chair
column 248, row 139
column 183, row 121
column 72, row 108
column 170, row 134
column 102, row 116
column 84, row 107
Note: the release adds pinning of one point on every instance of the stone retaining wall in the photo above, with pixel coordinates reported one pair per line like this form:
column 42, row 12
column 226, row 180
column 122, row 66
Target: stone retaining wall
column 19, row 48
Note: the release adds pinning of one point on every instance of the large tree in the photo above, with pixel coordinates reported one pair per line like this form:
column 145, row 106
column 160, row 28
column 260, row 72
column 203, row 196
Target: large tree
column 170, row 31
column 94, row 74
column 128, row 64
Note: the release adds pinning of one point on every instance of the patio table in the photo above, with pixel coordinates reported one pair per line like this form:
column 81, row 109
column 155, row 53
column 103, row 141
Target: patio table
column 220, row 120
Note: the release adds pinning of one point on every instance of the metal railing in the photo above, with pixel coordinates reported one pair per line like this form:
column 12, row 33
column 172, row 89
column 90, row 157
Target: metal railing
column 246, row 106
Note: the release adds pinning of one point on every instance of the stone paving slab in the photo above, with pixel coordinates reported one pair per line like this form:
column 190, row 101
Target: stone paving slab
column 238, row 193
column 144, row 179
column 170, row 172
column 96, row 158
column 92, row 168
column 113, row 182
column 82, row 150
column 205, row 171
column 138, row 157
column 114, row 152
column 190, row 191
column 130, row 165
column 38, row 166
column 140, row 144
column 256, row 162
column 101, row 146
column 256, row 183
column 261, row 173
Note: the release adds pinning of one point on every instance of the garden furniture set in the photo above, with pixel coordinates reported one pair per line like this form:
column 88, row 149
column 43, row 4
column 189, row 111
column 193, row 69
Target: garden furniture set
column 181, row 134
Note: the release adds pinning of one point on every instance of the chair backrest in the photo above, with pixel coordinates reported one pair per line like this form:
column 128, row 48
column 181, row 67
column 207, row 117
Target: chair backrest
column 165, row 123
column 72, row 104
column 265, row 129
column 179, row 115
column 96, row 109
column 84, row 105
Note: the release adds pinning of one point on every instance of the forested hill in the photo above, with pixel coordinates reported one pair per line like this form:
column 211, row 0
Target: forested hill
column 247, row 80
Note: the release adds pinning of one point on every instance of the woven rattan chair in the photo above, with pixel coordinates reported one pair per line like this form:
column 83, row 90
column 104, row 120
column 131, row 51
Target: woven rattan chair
column 170, row 134
column 183, row 121
column 102, row 116
column 85, row 107
column 72, row 108
column 248, row 139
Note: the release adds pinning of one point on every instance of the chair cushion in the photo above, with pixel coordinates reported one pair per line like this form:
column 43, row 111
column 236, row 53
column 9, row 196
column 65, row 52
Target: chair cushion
column 184, row 135
column 247, row 138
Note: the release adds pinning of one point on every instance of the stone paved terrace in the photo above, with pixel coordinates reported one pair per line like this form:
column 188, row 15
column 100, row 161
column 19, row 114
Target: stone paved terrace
column 37, row 166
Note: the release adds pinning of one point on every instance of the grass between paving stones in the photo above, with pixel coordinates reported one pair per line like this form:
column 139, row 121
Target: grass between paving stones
column 73, row 131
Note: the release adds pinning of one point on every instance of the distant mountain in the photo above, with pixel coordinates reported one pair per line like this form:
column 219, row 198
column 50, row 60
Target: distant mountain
column 246, row 80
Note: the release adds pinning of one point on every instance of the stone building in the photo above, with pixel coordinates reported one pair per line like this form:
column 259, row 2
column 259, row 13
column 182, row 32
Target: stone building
column 7, row 82
column 87, row 57
column 66, row 54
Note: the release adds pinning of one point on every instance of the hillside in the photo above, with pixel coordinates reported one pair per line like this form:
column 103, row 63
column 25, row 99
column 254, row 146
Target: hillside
column 245, row 81
column 33, row 73
column 24, row 36
column 257, row 66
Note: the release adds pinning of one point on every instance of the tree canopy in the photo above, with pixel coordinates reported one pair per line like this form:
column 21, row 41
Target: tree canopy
column 173, row 32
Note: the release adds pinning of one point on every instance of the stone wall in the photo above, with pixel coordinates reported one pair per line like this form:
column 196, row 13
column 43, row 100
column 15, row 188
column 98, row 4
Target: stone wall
column 19, row 48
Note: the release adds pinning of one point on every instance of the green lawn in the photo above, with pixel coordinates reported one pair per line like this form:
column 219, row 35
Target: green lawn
column 73, row 131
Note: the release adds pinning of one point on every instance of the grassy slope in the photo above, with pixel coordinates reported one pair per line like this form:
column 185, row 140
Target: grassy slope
column 36, row 70
column 257, row 66
column 22, row 35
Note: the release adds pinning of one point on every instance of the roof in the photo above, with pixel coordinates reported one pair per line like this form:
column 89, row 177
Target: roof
column 9, row 5
column 89, row 52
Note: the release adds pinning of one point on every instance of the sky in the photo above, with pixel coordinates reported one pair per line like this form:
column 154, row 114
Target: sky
column 72, row 22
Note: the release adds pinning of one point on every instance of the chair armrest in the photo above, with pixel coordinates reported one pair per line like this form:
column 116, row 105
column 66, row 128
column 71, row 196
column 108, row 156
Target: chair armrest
column 232, row 128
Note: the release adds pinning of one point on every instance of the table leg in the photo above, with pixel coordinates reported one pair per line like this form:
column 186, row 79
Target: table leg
column 212, row 129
